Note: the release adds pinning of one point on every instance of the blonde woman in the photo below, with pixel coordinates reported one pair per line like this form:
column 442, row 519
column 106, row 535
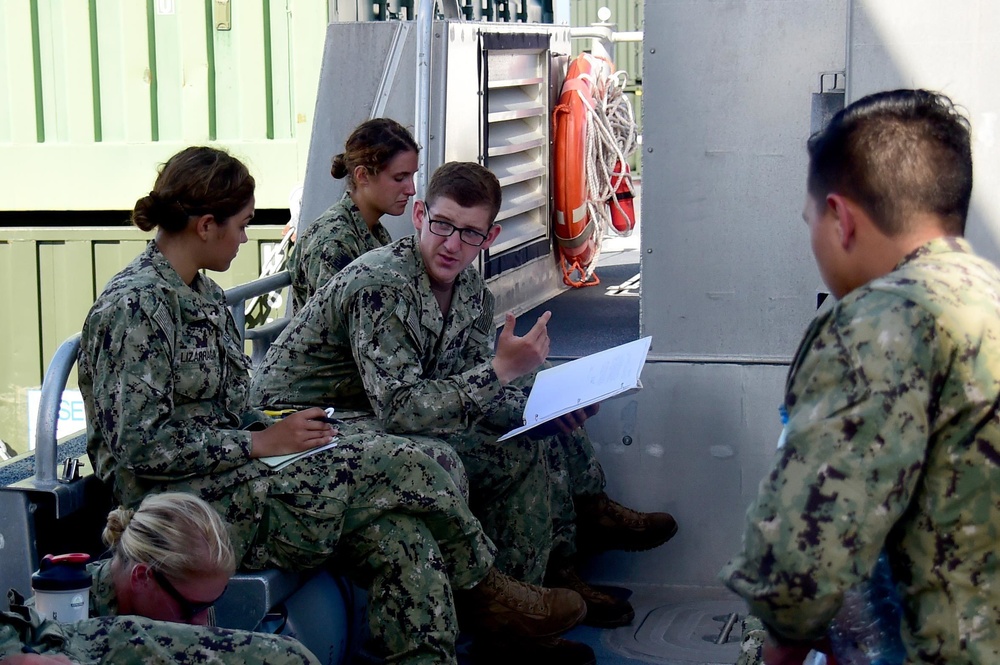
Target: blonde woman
column 171, row 560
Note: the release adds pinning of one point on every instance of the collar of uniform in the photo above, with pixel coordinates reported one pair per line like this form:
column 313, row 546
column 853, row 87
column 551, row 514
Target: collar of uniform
column 941, row 245
column 103, row 598
column 466, row 301
column 361, row 230
column 193, row 298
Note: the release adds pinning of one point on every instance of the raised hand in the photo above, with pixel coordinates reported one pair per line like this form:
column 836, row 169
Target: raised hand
column 516, row 356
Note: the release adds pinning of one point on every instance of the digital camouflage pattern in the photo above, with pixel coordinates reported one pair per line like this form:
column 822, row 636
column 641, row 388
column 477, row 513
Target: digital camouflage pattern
column 752, row 642
column 165, row 386
column 893, row 440
column 132, row 640
column 376, row 330
column 328, row 245
column 103, row 596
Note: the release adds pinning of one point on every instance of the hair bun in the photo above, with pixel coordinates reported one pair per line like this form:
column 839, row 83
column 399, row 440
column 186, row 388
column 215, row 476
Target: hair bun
column 118, row 521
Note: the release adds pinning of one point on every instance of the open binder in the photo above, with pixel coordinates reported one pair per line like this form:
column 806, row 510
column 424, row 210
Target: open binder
column 582, row 382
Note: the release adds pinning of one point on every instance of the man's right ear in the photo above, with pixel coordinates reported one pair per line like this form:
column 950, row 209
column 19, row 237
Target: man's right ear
column 419, row 214
column 844, row 212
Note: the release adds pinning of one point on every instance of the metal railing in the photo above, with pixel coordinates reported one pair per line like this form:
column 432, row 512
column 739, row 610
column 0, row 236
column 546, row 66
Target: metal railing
column 64, row 358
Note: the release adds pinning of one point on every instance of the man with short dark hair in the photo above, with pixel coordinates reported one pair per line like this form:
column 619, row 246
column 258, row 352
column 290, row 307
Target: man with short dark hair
column 893, row 398
column 407, row 331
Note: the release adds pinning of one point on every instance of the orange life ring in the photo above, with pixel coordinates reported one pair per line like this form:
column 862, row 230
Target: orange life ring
column 574, row 230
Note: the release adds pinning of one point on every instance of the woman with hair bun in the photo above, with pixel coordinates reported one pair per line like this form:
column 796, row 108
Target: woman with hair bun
column 170, row 562
column 379, row 160
column 165, row 385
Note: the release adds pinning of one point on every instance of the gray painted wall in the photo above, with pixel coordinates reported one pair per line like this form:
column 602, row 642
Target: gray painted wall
column 953, row 47
column 732, row 84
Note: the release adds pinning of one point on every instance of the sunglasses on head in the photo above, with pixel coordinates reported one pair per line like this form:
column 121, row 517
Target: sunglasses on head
column 189, row 609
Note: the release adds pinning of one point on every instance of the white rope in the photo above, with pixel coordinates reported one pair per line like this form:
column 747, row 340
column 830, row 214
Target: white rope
column 611, row 139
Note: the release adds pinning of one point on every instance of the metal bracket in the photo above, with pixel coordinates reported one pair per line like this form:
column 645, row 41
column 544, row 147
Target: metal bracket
column 833, row 81
column 222, row 15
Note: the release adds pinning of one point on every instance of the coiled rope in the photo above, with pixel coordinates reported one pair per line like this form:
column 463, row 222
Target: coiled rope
column 610, row 140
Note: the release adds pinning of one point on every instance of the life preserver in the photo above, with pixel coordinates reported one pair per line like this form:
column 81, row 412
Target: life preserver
column 621, row 204
column 594, row 132
column 574, row 230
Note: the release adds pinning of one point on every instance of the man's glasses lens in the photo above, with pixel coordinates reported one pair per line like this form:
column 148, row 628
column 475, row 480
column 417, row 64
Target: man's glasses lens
column 468, row 236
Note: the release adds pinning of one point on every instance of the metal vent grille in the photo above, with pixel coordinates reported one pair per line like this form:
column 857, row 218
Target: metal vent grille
column 517, row 140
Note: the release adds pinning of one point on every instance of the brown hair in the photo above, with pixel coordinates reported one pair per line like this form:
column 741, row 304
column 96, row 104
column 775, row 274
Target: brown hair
column 466, row 183
column 196, row 181
column 372, row 145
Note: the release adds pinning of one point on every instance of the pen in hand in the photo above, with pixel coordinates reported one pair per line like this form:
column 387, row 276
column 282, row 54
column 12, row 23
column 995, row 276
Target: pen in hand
column 328, row 418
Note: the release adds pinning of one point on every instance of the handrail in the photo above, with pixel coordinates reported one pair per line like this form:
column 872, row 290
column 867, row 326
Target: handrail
column 237, row 296
column 64, row 358
column 48, row 408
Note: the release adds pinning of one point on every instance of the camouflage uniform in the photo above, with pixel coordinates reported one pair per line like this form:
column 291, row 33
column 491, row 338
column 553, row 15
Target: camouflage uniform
column 893, row 440
column 107, row 638
column 375, row 329
column 103, row 597
column 339, row 236
column 165, row 384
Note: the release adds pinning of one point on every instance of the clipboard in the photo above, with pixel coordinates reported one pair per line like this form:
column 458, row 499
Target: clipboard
column 582, row 382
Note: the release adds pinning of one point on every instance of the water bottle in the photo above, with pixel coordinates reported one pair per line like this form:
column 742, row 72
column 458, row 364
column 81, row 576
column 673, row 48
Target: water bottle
column 62, row 587
column 866, row 629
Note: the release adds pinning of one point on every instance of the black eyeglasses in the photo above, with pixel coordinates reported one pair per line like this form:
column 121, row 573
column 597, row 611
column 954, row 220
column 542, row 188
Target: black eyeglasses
column 468, row 236
column 189, row 609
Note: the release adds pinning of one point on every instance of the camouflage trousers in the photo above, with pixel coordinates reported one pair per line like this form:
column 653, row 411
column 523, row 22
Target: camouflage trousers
column 509, row 493
column 394, row 518
column 130, row 640
column 752, row 643
column 435, row 448
column 573, row 471
column 522, row 491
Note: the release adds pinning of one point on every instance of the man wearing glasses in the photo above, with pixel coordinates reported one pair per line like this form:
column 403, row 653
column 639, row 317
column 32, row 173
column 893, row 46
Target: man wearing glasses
column 407, row 331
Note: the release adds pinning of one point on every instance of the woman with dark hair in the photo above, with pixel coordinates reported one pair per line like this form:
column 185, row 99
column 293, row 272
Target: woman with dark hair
column 165, row 385
column 379, row 160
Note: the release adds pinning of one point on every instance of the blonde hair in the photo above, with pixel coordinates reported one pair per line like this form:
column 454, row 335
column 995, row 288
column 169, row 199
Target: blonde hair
column 178, row 534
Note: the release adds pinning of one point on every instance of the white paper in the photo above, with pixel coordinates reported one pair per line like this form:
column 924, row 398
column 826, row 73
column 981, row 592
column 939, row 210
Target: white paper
column 277, row 462
column 582, row 382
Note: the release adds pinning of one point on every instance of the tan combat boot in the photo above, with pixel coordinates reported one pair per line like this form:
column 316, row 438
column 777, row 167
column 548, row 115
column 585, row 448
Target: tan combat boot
column 603, row 524
column 501, row 604
column 603, row 609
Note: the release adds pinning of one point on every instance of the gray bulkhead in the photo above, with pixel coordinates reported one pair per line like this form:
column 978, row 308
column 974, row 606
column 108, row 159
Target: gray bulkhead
column 732, row 90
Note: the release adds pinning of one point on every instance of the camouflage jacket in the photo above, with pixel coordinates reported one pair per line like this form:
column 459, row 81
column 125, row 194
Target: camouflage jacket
column 103, row 596
column 165, row 381
column 328, row 245
column 376, row 331
column 893, row 441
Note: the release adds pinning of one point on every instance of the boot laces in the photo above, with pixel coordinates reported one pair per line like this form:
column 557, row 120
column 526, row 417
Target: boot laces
column 568, row 578
column 517, row 594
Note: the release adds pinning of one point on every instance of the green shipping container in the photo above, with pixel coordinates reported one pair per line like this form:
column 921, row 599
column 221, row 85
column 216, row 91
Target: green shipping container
column 48, row 280
column 94, row 93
